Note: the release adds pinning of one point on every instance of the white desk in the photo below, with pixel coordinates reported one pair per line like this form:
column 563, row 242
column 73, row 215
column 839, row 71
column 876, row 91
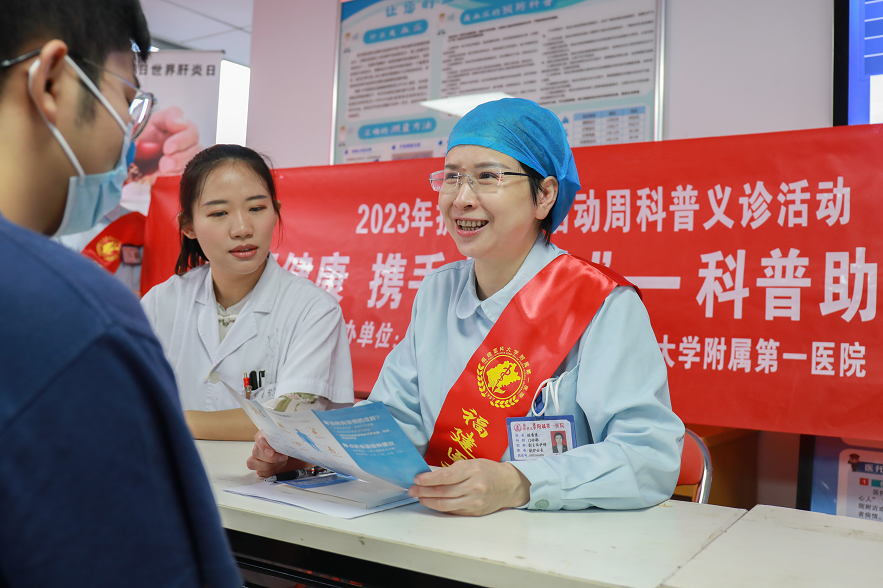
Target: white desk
column 773, row 546
column 639, row 549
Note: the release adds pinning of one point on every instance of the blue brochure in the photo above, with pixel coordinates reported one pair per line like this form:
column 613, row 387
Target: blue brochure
column 375, row 442
column 362, row 441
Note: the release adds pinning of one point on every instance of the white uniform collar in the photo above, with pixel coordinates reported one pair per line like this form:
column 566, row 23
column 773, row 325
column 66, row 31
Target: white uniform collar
column 261, row 301
column 262, row 297
column 468, row 303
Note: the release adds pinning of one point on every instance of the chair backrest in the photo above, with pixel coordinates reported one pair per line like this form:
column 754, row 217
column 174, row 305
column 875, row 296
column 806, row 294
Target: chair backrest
column 696, row 466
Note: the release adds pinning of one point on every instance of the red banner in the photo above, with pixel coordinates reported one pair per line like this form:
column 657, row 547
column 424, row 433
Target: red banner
column 161, row 240
column 757, row 257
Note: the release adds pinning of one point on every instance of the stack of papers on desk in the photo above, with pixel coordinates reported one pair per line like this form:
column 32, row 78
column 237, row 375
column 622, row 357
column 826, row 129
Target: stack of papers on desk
column 270, row 492
column 344, row 490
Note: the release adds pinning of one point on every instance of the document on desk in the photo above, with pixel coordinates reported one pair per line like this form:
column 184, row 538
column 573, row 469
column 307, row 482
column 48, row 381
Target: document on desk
column 362, row 441
column 271, row 493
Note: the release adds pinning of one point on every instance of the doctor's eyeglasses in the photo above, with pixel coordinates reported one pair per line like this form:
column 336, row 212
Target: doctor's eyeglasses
column 481, row 182
column 140, row 108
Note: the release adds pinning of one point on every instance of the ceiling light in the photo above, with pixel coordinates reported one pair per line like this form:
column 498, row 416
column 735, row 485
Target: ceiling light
column 460, row 105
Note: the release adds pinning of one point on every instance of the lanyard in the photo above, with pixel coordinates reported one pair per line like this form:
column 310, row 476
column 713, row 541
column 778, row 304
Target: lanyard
column 540, row 401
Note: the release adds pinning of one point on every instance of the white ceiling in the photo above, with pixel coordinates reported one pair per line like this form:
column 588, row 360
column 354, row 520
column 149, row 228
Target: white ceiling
column 202, row 24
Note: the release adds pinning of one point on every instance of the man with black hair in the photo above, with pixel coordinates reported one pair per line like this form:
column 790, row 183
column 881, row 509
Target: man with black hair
column 101, row 483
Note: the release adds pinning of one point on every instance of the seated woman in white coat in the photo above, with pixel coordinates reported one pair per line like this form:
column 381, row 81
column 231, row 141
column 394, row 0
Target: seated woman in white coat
column 231, row 314
column 523, row 338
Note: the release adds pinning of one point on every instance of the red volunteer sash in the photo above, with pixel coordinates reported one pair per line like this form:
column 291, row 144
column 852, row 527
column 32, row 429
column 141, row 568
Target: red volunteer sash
column 533, row 335
column 106, row 247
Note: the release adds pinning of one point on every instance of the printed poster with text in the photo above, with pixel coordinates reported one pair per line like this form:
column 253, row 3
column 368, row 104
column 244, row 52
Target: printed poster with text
column 848, row 478
column 592, row 62
column 757, row 256
column 185, row 118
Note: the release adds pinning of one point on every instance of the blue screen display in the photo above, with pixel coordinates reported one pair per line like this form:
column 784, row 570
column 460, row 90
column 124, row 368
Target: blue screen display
column 865, row 55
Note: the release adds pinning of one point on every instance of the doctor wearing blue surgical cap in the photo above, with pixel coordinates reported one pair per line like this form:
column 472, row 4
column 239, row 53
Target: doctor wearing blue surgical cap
column 583, row 341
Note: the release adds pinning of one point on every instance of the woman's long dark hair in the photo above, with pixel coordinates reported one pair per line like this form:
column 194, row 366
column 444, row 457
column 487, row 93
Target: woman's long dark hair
column 192, row 182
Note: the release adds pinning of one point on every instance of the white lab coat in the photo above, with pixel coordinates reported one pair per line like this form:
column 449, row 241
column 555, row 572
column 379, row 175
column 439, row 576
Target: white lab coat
column 290, row 329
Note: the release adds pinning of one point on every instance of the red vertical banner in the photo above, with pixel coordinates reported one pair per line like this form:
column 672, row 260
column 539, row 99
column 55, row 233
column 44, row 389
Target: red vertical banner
column 161, row 240
column 757, row 256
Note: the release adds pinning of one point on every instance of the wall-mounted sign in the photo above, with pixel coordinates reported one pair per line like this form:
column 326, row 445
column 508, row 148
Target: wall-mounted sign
column 595, row 63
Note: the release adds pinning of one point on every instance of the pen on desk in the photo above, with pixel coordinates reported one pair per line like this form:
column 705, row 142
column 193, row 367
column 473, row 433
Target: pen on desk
column 297, row 474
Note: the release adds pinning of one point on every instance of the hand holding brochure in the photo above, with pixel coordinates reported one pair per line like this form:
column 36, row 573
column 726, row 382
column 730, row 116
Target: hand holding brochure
column 364, row 442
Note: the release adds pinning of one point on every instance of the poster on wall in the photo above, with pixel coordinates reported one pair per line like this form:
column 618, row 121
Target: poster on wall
column 848, row 478
column 595, row 63
column 757, row 257
column 185, row 118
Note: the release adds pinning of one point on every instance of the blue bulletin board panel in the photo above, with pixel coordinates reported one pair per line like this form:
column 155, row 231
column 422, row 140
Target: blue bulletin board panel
column 596, row 63
column 858, row 62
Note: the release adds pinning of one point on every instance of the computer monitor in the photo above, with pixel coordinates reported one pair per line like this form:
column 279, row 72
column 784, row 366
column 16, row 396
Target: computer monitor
column 858, row 62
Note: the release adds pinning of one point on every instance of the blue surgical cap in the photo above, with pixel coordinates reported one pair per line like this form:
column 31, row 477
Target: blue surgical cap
column 525, row 131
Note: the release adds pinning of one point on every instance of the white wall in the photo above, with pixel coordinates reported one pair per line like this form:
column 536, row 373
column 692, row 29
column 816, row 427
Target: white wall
column 876, row 114
column 750, row 66
column 292, row 76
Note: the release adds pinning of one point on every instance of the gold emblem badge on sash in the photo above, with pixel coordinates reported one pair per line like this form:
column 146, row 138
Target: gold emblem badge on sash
column 108, row 249
column 503, row 376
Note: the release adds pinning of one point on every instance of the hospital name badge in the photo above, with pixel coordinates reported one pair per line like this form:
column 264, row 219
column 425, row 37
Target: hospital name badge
column 536, row 437
column 503, row 376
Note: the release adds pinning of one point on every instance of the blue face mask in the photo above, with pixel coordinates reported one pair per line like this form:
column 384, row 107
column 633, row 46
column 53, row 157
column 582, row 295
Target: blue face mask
column 90, row 196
